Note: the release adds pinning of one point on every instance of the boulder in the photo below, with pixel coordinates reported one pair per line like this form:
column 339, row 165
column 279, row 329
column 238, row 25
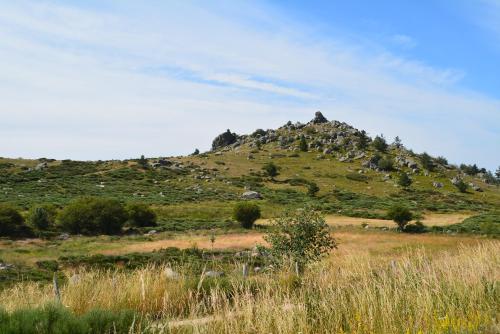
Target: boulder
column 437, row 184
column 251, row 195
column 319, row 118
column 224, row 139
column 212, row 273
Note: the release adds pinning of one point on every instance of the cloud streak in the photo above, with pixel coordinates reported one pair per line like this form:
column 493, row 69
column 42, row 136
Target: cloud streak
column 138, row 78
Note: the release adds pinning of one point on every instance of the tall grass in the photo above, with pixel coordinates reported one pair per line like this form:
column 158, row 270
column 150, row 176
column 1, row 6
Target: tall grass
column 450, row 292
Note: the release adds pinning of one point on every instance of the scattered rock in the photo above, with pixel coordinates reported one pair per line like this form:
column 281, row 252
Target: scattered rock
column 212, row 273
column 319, row 118
column 251, row 195
column 152, row 232
column 5, row 266
column 63, row 236
column 224, row 139
column 437, row 184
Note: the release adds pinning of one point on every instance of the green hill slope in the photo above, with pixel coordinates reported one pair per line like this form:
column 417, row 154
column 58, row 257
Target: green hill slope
column 354, row 177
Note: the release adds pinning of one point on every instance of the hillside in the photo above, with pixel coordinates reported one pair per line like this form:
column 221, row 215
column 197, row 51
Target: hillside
column 354, row 178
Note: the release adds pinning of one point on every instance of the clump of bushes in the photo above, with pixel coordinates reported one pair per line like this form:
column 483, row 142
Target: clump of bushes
column 271, row 169
column 404, row 180
column 246, row 214
column 92, row 216
column 140, row 215
column 42, row 217
column 380, row 144
column 12, row 222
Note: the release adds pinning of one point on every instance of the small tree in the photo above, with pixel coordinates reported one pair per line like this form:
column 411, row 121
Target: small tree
column 303, row 144
column 302, row 236
column 363, row 140
column 379, row 143
column 246, row 214
column 401, row 215
column 196, row 152
column 497, row 173
column 427, row 162
column 42, row 217
column 404, row 180
column 143, row 162
column 140, row 215
column 461, row 186
column 312, row 189
column 271, row 169
column 397, row 142
column 11, row 222
column 385, row 164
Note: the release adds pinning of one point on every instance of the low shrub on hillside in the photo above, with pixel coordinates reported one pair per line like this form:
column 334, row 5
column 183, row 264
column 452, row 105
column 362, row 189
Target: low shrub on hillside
column 12, row 223
column 92, row 216
column 140, row 215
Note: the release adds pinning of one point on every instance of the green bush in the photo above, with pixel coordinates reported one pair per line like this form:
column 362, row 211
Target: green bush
column 427, row 162
column 42, row 217
column 418, row 227
column 301, row 236
column 140, row 215
column 303, row 144
column 386, row 164
column 246, row 214
column 271, row 169
column 312, row 189
column 92, row 216
column 52, row 319
column 404, row 180
column 11, row 222
column 379, row 143
column 461, row 186
column 401, row 216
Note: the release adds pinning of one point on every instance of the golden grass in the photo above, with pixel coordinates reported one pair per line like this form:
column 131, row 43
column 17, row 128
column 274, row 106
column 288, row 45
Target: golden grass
column 352, row 291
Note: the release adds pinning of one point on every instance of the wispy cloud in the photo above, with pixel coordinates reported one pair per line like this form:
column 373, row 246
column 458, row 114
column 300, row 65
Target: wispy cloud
column 87, row 83
column 404, row 41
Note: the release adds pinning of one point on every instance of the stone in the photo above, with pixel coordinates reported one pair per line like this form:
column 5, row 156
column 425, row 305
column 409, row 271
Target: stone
column 319, row 118
column 212, row 273
column 170, row 273
column 63, row 236
column 251, row 195
column 152, row 232
column 225, row 139
column 437, row 184
column 41, row 166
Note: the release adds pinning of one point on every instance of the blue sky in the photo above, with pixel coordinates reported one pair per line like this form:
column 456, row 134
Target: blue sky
column 117, row 79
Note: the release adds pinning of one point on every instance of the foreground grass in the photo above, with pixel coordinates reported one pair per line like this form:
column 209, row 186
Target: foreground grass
column 360, row 292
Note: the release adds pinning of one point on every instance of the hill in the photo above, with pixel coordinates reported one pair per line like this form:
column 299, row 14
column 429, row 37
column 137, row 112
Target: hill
column 356, row 176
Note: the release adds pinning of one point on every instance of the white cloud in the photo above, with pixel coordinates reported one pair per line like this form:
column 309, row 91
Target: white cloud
column 404, row 41
column 92, row 84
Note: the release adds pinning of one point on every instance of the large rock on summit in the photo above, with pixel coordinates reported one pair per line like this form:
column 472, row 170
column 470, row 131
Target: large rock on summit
column 319, row 118
column 224, row 139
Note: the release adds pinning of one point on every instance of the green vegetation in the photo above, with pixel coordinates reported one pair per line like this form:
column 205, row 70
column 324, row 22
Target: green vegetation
column 246, row 214
column 404, row 180
column 461, row 186
column 380, row 144
column 92, row 216
column 271, row 170
column 140, row 215
column 301, row 237
column 11, row 222
column 401, row 216
column 303, row 144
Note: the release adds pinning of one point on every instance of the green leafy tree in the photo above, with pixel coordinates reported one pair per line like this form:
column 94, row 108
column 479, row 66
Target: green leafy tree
column 380, row 144
column 363, row 140
column 92, row 216
column 302, row 236
column 442, row 160
column 42, row 217
column 397, row 142
column 246, row 214
column 426, row 161
column 303, row 144
column 11, row 222
column 140, row 215
column 196, row 152
column 401, row 215
column 271, row 169
column 312, row 189
column 404, row 180
column 461, row 186
column 143, row 162
column 497, row 173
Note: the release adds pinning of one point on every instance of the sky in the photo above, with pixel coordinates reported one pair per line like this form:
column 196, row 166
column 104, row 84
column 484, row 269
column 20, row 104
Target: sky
column 105, row 79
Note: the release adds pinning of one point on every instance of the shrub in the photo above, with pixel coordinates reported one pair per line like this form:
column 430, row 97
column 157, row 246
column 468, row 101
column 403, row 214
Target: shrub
column 386, row 164
column 303, row 144
column 461, row 186
column 426, row 161
column 140, row 215
column 401, row 215
column 271, row 169
column 404, row 180
column 363, row 140
column 312, row 189
column 11, row 222
column 258, row 133
column 246, row 214
column 42, row 217
column 357, row 177
column 418, row 227
column 92, row 216
column 442, row 161
column 379, row 143
column 301, row 236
